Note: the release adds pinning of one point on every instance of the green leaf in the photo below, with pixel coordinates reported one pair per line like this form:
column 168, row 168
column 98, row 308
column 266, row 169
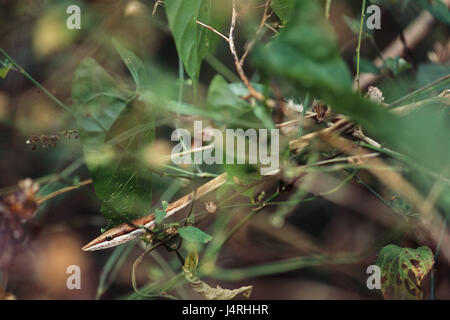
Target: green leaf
column 396, row 65
column 135, row 66
column 221, row 98
column 243, row 178
column 103, row 111
column 437, row 8
column 402, row 271
column 4, row 69
column 194, row 234
column 400, row 205
column 283, row 9
column 191, row 261
column 352, row 23
column 306, row 50
column 161, row 214
column 191, row 40
column 367, row 66
column 225, row 100
column 112, row 267
column 428, row 72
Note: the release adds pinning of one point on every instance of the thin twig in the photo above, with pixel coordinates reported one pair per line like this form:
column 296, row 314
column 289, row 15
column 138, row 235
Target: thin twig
column 27, row 75
column 63, row 190
column 213, row 30
column 238, row 65
column 133, row 273
column 266, row 16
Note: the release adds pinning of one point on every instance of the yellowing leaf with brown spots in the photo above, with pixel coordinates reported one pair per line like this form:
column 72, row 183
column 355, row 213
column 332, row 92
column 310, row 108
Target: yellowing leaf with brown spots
column 402, row 271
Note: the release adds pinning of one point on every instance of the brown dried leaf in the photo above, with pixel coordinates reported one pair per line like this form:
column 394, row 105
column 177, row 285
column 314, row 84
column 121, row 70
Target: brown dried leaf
column 201, row 287
column 23, row 203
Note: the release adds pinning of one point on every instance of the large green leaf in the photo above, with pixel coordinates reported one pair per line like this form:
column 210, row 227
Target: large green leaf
column 402, row 271
column 437, row 8
column 103, row 111
column 283, row 9
column 306, row 50
column 191, row 40
column 224, row 100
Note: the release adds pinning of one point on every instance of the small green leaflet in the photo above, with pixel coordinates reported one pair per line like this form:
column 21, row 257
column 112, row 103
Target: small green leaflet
column 194, row 234
column 402, row 271
column 396, row 65
column 4, row 69
column 160, row 214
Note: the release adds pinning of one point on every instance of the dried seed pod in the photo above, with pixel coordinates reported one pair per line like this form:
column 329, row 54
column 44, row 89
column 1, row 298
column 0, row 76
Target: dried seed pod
column 23, row 203
column 375, row 94
column 171, row 231
column 321, row 109
column 211, row 207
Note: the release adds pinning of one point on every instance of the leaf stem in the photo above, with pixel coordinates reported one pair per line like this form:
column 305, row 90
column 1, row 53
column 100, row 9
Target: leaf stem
column 327, row 9
column 27, row 75
column 358, row 49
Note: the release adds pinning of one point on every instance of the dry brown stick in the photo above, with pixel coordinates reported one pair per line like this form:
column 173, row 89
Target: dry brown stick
column 237, row 63
column 213, row 30
column 297, row 145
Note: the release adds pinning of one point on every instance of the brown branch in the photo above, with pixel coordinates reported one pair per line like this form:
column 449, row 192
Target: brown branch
column 64, row 190
column 266, row 16
column 230, row 40
column 213, row 30
column 237, row 63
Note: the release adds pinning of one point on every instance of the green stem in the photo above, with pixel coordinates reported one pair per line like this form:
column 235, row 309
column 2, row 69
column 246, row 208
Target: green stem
column 358, row 49
column 217, row 65
column 421, row 90
column 327, row 9
column 27, row 75
column 277, row 267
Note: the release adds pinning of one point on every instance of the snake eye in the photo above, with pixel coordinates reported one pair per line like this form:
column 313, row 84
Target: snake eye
column 109, row 238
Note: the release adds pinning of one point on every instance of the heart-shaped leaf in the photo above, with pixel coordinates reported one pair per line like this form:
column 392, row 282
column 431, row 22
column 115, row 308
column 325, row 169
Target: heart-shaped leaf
column 103, row 112
column 194, row 234
column 402, row 271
